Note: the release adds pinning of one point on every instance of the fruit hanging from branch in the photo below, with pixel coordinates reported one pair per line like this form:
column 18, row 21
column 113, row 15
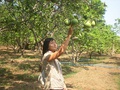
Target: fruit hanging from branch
column 87, row 23
column 67, row 22
column 93, row 23
column 73, row 21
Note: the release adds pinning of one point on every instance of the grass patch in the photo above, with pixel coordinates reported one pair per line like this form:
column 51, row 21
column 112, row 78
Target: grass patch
column 5, row 72
column 31, row 56
column 25, row 66
column 68, row 71
column 70, row 74
column 26, row 77
column 91, row 61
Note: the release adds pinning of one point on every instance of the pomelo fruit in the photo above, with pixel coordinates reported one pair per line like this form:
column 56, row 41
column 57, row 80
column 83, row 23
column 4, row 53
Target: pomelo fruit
column 67, row 22
column 87, row 23
column 74, row 21
column 93, row 23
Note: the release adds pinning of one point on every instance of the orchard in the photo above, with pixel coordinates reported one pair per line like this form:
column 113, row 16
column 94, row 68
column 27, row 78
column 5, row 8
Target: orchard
column 25, row 24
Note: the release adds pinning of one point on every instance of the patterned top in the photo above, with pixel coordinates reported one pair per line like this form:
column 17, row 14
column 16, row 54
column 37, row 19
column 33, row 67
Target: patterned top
column 52, row 73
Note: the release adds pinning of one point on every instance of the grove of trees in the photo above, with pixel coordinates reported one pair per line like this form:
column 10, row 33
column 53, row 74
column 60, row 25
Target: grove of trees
column 24, row 24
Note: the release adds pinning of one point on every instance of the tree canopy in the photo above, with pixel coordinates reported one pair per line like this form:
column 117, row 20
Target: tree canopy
column 26, row 23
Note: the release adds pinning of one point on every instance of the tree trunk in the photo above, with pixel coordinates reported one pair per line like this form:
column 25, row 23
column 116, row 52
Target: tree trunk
column 90, row 54
column 113, row 49
column 73, row 55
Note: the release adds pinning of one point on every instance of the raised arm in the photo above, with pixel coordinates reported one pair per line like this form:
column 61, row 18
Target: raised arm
column 63, row 47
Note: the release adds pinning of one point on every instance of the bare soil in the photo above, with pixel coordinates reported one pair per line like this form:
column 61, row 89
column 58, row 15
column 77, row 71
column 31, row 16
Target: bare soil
column 97, row 78
column 94, row 78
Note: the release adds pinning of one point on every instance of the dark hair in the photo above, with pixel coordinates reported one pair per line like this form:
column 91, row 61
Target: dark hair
column 46, row 44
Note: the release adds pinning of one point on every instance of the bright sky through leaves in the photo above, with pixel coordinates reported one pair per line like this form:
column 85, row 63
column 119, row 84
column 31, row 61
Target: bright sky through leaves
column 112, row 11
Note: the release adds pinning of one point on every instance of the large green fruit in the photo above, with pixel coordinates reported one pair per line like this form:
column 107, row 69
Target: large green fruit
column 93, row 23
column 67, row 22
column 74, row 21
column 87, row 23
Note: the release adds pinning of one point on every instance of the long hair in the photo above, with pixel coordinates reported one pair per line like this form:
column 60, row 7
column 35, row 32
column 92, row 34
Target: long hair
column 46, row 44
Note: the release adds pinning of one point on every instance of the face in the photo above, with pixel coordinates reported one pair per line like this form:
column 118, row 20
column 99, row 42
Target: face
column 52, row 46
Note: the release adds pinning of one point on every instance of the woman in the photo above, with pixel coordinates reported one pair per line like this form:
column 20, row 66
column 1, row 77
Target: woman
column 51, row 69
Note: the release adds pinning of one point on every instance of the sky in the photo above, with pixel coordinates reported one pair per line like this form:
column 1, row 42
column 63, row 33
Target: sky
column 112, row 11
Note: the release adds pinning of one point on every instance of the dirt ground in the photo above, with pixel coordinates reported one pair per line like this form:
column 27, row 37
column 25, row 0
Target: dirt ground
column 93, row 78
column 86, row 78
column 96, row 78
